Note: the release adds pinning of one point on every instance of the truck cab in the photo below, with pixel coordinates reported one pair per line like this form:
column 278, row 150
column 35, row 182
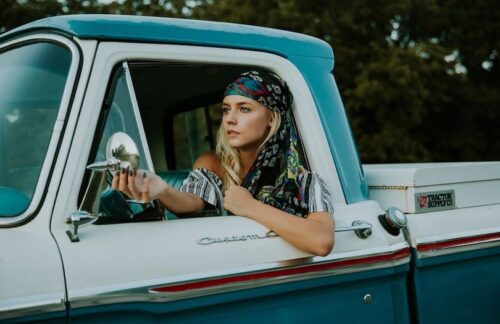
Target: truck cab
column 413, row 243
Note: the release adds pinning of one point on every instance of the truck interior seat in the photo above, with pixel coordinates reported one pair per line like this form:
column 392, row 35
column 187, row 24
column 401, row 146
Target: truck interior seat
column 175, row 179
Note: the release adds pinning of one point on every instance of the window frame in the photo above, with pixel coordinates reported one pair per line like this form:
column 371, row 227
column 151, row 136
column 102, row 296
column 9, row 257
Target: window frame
column 137, row 116
column 104, row 111
column 320, row 161
column 59, row 122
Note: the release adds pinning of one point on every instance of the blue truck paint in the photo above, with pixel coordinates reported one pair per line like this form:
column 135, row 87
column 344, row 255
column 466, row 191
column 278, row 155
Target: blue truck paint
column 53, row 317
column 309, row 300
column 179, row 31
column 318, row 75
column 457, row 288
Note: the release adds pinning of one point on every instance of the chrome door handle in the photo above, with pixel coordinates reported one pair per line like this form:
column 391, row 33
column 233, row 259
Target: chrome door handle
column 362, row 229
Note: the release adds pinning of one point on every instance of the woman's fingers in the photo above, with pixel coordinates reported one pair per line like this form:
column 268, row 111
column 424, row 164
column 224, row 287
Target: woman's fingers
column 126, row 182
column 145, row 196
column 116, row 180
column 123, row 183
column 131, row 185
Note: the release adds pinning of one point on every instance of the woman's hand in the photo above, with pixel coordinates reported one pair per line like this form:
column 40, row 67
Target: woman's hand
column 140, row 185
column 238, row 200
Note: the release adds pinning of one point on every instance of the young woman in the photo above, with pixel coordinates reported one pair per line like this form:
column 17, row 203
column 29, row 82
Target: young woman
column 255, row 171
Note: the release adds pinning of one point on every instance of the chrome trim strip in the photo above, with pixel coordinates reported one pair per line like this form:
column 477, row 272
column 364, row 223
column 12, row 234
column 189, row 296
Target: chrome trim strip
column 392, row 256
column 457, row 243
column 452, row 236
column 24, row 309
column 58, row 123
column 457, row 249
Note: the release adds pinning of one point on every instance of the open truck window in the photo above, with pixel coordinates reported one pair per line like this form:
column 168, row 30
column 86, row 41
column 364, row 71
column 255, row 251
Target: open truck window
column 178, row 109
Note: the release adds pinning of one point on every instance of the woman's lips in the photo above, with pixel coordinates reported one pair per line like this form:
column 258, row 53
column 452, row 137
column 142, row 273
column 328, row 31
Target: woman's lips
column 232, row 133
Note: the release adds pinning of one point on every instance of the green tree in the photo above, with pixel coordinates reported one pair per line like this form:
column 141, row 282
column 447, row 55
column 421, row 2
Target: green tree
column 160, row 8
column 418, row 78
column 14, row 13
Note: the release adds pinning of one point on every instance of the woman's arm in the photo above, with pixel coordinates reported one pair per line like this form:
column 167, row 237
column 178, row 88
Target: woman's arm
column 173, row 200
column 314, row 234
column 181, row 202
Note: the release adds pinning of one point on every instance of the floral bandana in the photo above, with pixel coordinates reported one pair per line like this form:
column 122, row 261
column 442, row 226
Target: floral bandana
column 273, row 177
column 265, row 88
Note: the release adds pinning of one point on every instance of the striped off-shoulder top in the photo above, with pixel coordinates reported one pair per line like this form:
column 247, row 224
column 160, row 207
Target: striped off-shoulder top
column 208, row 186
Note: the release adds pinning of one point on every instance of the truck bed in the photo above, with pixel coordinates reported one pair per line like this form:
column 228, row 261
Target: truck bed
column 427, row 187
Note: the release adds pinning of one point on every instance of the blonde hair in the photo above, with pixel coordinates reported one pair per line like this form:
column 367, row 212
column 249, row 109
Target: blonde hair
column 229, row 156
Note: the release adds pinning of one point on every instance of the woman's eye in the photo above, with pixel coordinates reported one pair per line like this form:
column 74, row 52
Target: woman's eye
column 244, row 109
column 224, row 110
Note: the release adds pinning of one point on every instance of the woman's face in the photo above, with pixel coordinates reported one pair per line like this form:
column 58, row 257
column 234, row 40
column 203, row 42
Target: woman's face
column 246, row 122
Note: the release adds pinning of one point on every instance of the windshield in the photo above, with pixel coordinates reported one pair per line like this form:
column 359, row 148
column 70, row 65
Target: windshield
column 32, row 81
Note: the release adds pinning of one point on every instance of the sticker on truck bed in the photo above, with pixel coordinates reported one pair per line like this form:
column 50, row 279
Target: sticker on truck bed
column 434, row 200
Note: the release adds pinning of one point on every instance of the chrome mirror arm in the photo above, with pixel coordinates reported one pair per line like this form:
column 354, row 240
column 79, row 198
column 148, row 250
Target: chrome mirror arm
column 88, row 211
column 76, row 219
column 111, row 164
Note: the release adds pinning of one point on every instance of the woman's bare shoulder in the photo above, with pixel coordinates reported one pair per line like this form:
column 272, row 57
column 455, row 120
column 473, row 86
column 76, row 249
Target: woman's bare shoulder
column 209, row 161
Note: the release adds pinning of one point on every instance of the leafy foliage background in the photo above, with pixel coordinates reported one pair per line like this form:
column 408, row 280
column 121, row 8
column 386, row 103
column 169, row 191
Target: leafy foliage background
column 419, row 78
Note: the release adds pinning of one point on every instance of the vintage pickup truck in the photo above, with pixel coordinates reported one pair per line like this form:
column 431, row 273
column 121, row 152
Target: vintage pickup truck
column 414, row 242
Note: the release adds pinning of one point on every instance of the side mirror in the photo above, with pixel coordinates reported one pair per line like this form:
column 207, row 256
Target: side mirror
column 121, row 152
column 394, row 220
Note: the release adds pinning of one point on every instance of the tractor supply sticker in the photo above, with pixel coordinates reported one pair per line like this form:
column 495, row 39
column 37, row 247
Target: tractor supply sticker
column 435, row 200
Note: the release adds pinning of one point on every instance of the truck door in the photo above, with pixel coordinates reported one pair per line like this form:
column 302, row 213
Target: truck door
column 225, row 268
column 37, row 78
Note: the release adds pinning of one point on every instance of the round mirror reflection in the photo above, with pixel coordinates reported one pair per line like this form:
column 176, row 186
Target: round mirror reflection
column 121, row 147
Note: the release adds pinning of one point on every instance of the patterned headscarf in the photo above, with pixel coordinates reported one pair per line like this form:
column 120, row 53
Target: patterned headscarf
column 265, row 88
column 273, row 177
